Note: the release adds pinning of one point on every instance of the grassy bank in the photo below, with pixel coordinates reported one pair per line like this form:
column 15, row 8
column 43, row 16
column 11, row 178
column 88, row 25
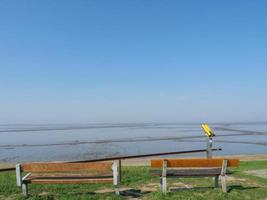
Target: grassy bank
column 246, row 182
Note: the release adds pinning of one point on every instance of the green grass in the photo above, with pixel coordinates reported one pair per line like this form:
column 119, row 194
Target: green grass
column 137, row 182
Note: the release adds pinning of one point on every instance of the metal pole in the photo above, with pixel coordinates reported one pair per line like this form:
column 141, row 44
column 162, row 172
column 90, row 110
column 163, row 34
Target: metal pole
column 209, row 147
column 7, row 169
column 143, row 155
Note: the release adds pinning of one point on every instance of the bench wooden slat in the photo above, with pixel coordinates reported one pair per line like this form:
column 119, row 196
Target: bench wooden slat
column 65, row 176
column 69, row 181
column 33, row 175
column 66, row 167
column 196, row 162
column 188, row 172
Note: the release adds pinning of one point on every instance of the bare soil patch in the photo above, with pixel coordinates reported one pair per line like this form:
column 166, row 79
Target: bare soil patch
column 260, row 173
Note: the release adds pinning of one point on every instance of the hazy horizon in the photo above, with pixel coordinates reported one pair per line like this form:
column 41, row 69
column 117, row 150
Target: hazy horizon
column 142, row 122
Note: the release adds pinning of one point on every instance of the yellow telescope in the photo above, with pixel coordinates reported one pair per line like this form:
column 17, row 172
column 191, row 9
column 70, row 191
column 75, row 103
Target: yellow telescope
column 209, row 133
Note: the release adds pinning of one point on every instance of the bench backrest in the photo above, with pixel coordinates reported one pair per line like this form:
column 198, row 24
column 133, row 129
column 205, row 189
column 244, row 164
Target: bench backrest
column 66, row 167
column 194, row 163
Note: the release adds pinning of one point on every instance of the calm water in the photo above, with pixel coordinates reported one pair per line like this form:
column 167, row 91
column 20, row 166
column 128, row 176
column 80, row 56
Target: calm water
column 74, row 142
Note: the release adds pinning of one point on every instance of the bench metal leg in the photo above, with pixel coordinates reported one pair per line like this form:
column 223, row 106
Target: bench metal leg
column 117, row 191
column 24, row 188
column 164, row 176
column 160, row 183
column 164, row 184
column 18, row 175
column 223, row 175
column 116, row 177
column 216, row 181
column 224, row 187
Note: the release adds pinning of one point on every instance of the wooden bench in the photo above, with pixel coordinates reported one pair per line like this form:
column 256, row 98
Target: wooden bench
column 175, row 168
column 64, row 173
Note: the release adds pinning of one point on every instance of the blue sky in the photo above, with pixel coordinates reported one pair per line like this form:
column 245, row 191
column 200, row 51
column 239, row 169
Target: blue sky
column 133, row 61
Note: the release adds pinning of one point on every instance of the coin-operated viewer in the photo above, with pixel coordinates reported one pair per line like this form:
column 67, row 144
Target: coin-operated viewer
column 209, row 133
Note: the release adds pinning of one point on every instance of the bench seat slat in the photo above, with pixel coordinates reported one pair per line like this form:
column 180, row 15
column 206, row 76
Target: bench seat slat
column 70, row 181
column 188, row 172
column 65, row 176
column 40, row 175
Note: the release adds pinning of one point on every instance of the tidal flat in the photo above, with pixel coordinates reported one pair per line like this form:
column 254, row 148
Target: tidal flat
column 61, row 142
